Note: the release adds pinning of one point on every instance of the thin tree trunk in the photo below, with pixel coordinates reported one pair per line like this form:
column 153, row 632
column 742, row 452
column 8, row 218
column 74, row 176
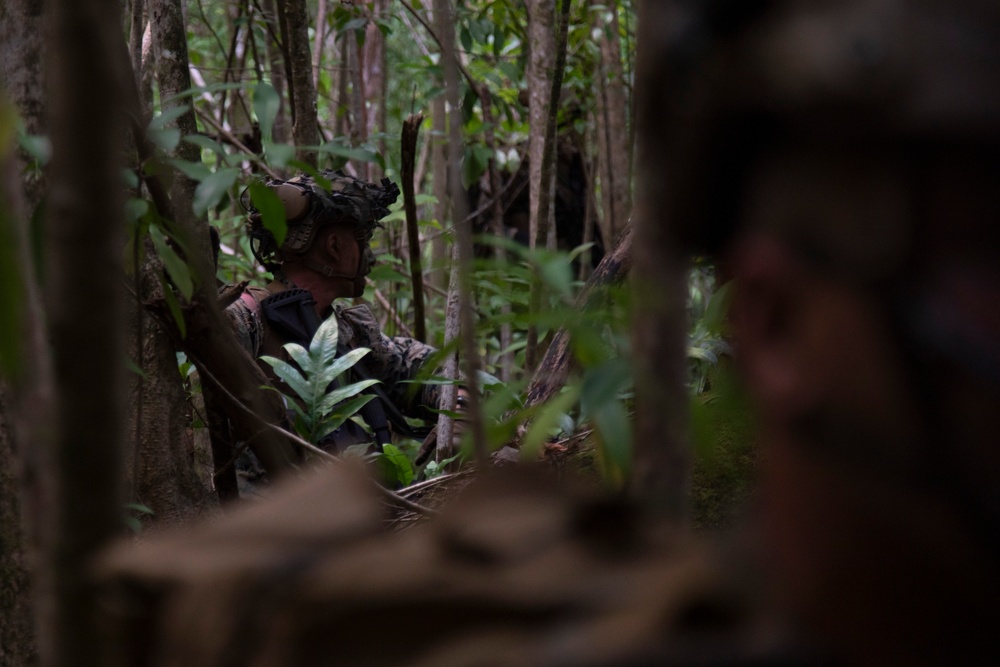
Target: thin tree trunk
column 506, row 360
column 411, row 130
column 84, row 233
column 612, row 126
column 374, row 75
column 25, row 417
column 276, row 61
column 317, row 63
column 305, row 123
column 661, row 452
column 166, row 480
column 460, row 308
column 439, row 160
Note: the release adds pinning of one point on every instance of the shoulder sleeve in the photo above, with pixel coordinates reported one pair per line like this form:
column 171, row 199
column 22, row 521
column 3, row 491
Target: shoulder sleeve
column 245, row 317
column 392, row 360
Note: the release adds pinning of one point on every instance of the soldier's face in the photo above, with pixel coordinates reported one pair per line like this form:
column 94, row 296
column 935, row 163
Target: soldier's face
column 859, row 533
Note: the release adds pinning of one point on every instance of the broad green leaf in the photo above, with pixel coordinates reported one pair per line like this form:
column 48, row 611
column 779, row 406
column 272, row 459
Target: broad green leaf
column 323, row 347
column 331, row 399
column 206, row 143
column 166, row 139
column 213, row 188
column 717, row 309
column 361, row 154
column 300, row 355
column 328, row 372
column 175, row 307
column 395, row 466
column 290, row 375
column 196, row 171
column 176, row 267
column 271, row 210
column 615, row 432
column 162, row 120
column 344, row 412
column 547, row 419
column 135, row 208
column 279, row 155
column 38, row 146
column 266, row 104
column 603, row 384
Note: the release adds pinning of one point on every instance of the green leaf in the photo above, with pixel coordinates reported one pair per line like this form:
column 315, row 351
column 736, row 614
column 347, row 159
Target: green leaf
column 206, row 143
column 162, row 120
column 211, row 190
column 289, row 375
column 394, row 465
column 323, row 347
column 603, row 384
column 196, row 171
column 175, row 307
column 361, row 154
column 329, row 371
column 271, row 210
column 615, row 432
column 548, row 418
column 718, row 308
column 38, row 146
column 331, row 399
column 176, row 267
column 279, row 155
column 166, row 140
column 266, row 104
column 343, row 412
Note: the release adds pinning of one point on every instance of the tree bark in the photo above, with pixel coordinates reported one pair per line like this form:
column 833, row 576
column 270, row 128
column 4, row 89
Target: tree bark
column 305, row 123
column 26, row 409
column 411, row 130
column 84, row 224
column 17, row 634
column 612, row 111
column 24, row 417
column 662, row 455
column 557, row 363
column 541, row 63
column 276, row 60
column 165, row 479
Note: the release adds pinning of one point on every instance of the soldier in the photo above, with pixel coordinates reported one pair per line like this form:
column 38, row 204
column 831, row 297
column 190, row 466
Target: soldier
column 845, row 157
column 325, row 257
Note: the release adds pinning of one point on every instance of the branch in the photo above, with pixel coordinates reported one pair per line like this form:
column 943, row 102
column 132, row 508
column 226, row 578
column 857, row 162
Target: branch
column 458, row 63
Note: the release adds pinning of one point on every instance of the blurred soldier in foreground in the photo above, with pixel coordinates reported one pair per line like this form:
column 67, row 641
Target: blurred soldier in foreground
column 845, row 158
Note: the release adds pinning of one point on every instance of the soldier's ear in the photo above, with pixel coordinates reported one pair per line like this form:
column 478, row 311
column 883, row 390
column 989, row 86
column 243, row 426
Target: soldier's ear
column 770, row 317
column 331, row 243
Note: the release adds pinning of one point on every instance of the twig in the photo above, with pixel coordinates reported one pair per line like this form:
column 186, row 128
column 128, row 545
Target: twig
column 389, row 309
column 458, row 63
column 207, row 117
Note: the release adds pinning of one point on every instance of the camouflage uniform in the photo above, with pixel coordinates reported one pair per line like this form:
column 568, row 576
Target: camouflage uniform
column 391, row 360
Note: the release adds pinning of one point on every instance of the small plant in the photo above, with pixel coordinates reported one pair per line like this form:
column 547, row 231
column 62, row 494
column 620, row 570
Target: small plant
column 320, row 410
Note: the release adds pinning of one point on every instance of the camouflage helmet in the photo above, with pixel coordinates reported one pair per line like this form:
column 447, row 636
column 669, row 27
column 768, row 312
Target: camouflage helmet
column 309, row 205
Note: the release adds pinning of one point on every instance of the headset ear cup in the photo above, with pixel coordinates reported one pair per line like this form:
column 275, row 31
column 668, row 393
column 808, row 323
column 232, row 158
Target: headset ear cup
column 295, row 200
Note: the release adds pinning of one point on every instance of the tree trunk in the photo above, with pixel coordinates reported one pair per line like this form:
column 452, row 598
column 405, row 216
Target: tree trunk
column 305, row 123
column 165, row 479
column 17, row 634
column 276, row 60
column 26, row 409
column 662, row 455
column 22, row 75
column 613, row 153
column 541, row 63
column 24, row 417
column 84, row 224
column 439, row 161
